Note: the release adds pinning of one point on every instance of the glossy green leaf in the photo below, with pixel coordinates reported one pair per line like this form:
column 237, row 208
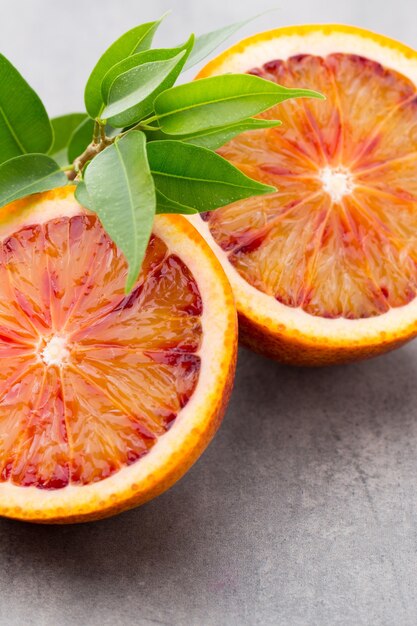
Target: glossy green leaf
column 80, row 139
column 135, row 40
column 64, row 127
column 219, row 101
column 159, row 54
column 122, row 193
column 213, row 138
column 198, row 178
column 132, row 94
column 207, row 43
column 27, row 174
column 24, row 123
column 166, row 205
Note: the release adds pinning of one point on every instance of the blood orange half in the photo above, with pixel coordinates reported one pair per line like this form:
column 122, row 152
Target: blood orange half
column 105, row 399
column 325, row 270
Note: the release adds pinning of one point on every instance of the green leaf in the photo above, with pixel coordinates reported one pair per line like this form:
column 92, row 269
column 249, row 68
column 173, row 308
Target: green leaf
column 166, row 205
column 159, row 54
column 24, row 123
column 207, row 43
column 132, row 94
column 29, row 173
column 80, row 139
column 135, row 40
column 213, row 138
column 219, row 101
column 122, row 193
column 198, row 178
column 63, row 127
column 81, row 195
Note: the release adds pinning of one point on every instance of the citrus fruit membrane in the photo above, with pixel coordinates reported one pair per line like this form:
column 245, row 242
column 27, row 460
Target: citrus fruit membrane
column 91, row 378
column 339, row 238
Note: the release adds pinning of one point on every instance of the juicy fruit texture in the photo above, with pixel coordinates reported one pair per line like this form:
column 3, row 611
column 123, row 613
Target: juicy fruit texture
column 90, row 378
column 339, row 238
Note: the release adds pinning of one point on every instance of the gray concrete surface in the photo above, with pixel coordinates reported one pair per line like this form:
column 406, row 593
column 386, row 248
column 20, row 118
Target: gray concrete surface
column 303, row 510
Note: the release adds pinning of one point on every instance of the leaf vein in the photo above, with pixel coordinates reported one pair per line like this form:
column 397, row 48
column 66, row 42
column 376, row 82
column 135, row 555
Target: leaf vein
column 11, row 131
column 252, row 94
column 204, row 180
column 132, row 206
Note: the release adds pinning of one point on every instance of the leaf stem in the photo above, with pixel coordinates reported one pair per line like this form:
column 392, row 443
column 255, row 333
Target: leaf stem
column 153, row 118
column 99, row 142
column 96, row 131
column 139, row 126
column 146, row 126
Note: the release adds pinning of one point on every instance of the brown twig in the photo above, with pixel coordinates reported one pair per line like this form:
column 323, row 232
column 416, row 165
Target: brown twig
column 89, row 153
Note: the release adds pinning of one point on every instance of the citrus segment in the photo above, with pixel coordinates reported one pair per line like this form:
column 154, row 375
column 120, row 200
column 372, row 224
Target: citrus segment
column 78, row 255
column 114, row 437
column 40, row 455
column 92, row 379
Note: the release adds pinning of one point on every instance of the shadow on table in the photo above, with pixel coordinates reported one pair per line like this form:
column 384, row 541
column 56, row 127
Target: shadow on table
column 285, row 428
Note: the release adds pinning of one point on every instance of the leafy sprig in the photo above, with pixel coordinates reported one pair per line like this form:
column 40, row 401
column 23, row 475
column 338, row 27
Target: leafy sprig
column 143, row 146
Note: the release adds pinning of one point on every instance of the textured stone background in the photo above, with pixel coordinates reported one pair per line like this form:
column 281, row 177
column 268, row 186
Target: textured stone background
column 303, row 509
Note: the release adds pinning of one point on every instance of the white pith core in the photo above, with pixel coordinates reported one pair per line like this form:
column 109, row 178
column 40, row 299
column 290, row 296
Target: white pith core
column 337, row 182
column 54, row 351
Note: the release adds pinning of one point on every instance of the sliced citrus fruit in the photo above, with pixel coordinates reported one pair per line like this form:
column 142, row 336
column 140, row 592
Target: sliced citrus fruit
column 325, row 270
column 105, row 399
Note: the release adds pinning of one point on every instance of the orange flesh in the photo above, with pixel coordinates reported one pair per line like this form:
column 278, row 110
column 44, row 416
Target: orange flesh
column 339, row 238
column 90, row 378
